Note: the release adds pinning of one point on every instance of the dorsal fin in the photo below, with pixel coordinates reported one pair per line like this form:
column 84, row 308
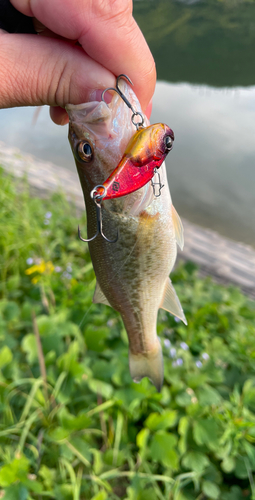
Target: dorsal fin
column 171, row 303
column 99, row 297
column 178, row 228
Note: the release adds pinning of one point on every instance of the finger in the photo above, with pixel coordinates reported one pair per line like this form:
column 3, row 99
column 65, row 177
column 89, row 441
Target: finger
column 149, row 109
column 43, row 31
column 59, row 115
column 107, row 32
column 35, row 70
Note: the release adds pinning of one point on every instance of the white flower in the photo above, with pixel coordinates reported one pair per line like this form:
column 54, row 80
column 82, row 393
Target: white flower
column 69, row 268
column 172, row 352
column 58, row 269
column 178, row 362
column 177, row 320
column 205, row 356
column 167, row 343
column 110, row 322
column 199, row 364
column 30, row 261
column 48, row 215
column 46, row 222
column 67, row 275
column 184, row 346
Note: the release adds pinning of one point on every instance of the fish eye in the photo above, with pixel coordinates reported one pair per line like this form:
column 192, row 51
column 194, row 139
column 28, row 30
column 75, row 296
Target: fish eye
column 84, row 151
column 168, row 142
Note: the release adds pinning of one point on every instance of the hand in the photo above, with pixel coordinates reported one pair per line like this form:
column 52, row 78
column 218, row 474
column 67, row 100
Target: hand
column 81, row 48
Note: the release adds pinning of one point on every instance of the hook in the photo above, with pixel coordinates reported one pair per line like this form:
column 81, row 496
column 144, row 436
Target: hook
column 123, row 97
column 97, row 198
column 121, row 93
column 157, row 184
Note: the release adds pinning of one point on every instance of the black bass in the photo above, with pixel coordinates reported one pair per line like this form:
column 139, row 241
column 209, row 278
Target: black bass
column 132, row 273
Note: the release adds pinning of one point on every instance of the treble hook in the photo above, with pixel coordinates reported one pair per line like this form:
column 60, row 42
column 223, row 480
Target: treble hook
column 117, row 89
column 97, row 198
column 157, row 184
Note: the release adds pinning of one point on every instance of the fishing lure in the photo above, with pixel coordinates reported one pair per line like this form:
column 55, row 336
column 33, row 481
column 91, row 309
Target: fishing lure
column 144, row 154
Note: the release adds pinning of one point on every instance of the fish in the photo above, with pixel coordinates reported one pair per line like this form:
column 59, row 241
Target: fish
column 133, row 273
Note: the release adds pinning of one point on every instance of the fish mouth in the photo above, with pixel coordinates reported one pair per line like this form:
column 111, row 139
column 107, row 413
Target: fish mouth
column 109, row 100
column 111, row 104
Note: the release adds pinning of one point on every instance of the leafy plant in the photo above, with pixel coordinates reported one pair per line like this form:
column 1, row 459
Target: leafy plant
column 73, row 425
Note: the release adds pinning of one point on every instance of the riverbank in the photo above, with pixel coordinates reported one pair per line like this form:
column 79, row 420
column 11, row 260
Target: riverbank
column 225, row 260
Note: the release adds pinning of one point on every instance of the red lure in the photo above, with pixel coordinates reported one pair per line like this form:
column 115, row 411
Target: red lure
column 144, row 153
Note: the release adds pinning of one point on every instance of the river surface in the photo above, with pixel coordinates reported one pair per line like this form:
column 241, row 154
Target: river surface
column 205, row 92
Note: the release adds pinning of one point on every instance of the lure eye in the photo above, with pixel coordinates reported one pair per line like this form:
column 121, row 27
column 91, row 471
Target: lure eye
column 168, row 142
column 84, row 151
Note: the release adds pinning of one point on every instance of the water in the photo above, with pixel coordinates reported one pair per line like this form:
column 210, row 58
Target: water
column 211, row 170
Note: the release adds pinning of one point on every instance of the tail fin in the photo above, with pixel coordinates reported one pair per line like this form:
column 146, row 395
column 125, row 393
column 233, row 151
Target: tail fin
column 148, row 365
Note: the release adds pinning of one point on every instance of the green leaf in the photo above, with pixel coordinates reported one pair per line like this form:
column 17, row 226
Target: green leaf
column 45, row 324
column 228, row 464
column 103, row 370
column 183, row 426
column 30, row 348
column 82, row 448
column 11, row 311
column 71, row 422
column 58, row 434
column 5, row 356
column 102, row 495
column 211, row 490
column 208, row 396
column 63, row 492
column 250, row 450
column 213, row 474
column 162, row 449
column 242, row 467
column 164, row 420
column 234, row 494
column 196, row 461
column 183, row 399
column 13, row 282
column 197, row 379
column 15, row 470
column 131, row 396
column 33, row 485
column 205, row 432
column 16, row 492
column 99, row 387
column 95, row 337
column 142, row 439
column 48, row 475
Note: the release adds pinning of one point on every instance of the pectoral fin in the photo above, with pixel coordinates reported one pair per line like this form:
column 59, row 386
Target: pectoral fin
column 171, row 303
column 178, row 228
column 99, row 297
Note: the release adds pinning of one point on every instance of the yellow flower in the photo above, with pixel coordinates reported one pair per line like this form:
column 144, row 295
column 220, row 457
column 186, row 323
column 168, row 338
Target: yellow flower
column 35, row 279
column 42, row 268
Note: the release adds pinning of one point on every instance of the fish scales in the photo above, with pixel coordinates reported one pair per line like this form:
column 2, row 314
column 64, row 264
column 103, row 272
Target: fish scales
column 132, row 274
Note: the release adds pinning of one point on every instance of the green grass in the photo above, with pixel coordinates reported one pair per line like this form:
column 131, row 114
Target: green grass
column 73, row 425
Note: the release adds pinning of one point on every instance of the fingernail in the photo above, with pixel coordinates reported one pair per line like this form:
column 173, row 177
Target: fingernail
column 96, row 95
